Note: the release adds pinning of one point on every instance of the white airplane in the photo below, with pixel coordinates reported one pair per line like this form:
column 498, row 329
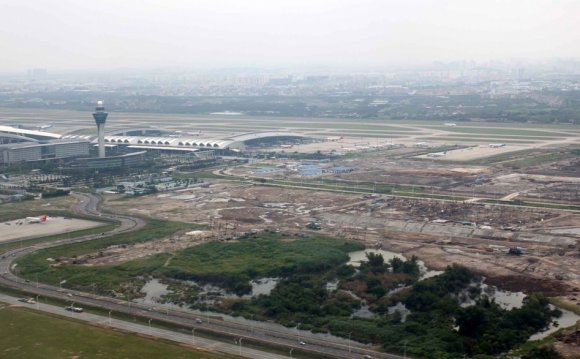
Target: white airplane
column 40, row 219
column 286, row 146
column 422, row 144
column 496, row 145
column 437, row 154
column 334, row 138
column 44, row 127
column 450, row 124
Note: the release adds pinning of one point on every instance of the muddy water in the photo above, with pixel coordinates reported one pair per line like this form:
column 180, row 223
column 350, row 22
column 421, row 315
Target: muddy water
column 153, row 290
column 263, row 286
column 506, row 299
column 401, row 308
column 361, row 256
column 567, row 319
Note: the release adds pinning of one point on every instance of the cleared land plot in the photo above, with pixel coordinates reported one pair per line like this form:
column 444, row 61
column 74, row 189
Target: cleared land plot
column 29, row 334
column 12, row 230
column 473, row 153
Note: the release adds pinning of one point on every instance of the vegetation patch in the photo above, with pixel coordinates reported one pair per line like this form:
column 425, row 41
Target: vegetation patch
column 232, row 264
column 448, row 316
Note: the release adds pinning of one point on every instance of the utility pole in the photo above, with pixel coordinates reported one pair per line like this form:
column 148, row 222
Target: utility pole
column 349, row 341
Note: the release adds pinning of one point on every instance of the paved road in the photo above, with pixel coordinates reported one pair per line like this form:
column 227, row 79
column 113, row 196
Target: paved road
column 261, row 332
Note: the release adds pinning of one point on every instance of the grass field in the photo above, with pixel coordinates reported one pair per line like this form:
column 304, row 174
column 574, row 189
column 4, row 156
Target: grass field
column 478, row 140
column 30, row 334
column 501, row 131
column 264, row 255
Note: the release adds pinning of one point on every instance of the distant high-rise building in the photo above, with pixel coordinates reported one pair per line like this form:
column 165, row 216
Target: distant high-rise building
column 37, row 73
column 100, row 117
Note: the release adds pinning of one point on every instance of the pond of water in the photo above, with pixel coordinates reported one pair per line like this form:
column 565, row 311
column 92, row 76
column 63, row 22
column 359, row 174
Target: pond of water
column 361, row 256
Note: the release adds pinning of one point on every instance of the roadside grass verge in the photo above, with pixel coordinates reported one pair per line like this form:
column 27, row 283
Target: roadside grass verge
column 34, row 334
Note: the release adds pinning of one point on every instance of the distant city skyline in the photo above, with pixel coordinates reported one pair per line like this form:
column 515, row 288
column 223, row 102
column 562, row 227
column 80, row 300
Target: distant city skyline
column 110, row 35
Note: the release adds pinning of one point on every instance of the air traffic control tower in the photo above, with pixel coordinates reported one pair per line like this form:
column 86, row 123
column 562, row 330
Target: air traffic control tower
column 100, row 117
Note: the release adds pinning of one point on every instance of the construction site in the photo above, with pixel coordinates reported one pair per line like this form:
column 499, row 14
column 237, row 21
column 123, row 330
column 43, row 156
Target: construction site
column 523, row 248
column 509, row 212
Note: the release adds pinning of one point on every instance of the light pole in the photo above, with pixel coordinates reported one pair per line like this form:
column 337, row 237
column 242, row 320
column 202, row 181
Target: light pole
column 298, row 331
column 207, row 311
column 349, row 341
column 240, row 342
column 110, row 319
column 252, row 323
column 193, row 336
column 291, row 350
column 37, row 303
column 150, row 331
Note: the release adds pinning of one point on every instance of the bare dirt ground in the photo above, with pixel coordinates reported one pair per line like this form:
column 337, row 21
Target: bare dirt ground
column 223, row 203
column 122, row 253
column 568, row 344
column 231, row 209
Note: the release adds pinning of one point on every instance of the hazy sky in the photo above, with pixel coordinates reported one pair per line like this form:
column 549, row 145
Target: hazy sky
column 109, row 34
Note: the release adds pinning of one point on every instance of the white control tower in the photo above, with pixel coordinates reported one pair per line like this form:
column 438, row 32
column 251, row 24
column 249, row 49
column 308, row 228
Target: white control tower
column 100, row 117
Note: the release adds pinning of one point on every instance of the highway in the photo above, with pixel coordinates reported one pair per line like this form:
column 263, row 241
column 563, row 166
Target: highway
column 270, row 334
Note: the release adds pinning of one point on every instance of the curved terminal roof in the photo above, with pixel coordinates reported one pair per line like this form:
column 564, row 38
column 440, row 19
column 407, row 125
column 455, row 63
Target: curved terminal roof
column 126, row 130
column 17, row 137
column 38, row 135
column 170, row 141
column 79, row 137
column 260, row 135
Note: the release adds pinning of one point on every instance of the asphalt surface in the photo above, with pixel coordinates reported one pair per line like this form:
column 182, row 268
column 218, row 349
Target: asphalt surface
column 89, row 205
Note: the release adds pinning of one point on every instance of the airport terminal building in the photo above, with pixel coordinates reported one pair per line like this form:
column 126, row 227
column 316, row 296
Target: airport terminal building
column 34, row 151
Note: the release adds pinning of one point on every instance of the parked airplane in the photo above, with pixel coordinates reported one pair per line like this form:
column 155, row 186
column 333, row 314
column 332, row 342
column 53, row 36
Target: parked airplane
column 334, row 138
column 437, row 154
column 496, row 145
column 40, row 219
